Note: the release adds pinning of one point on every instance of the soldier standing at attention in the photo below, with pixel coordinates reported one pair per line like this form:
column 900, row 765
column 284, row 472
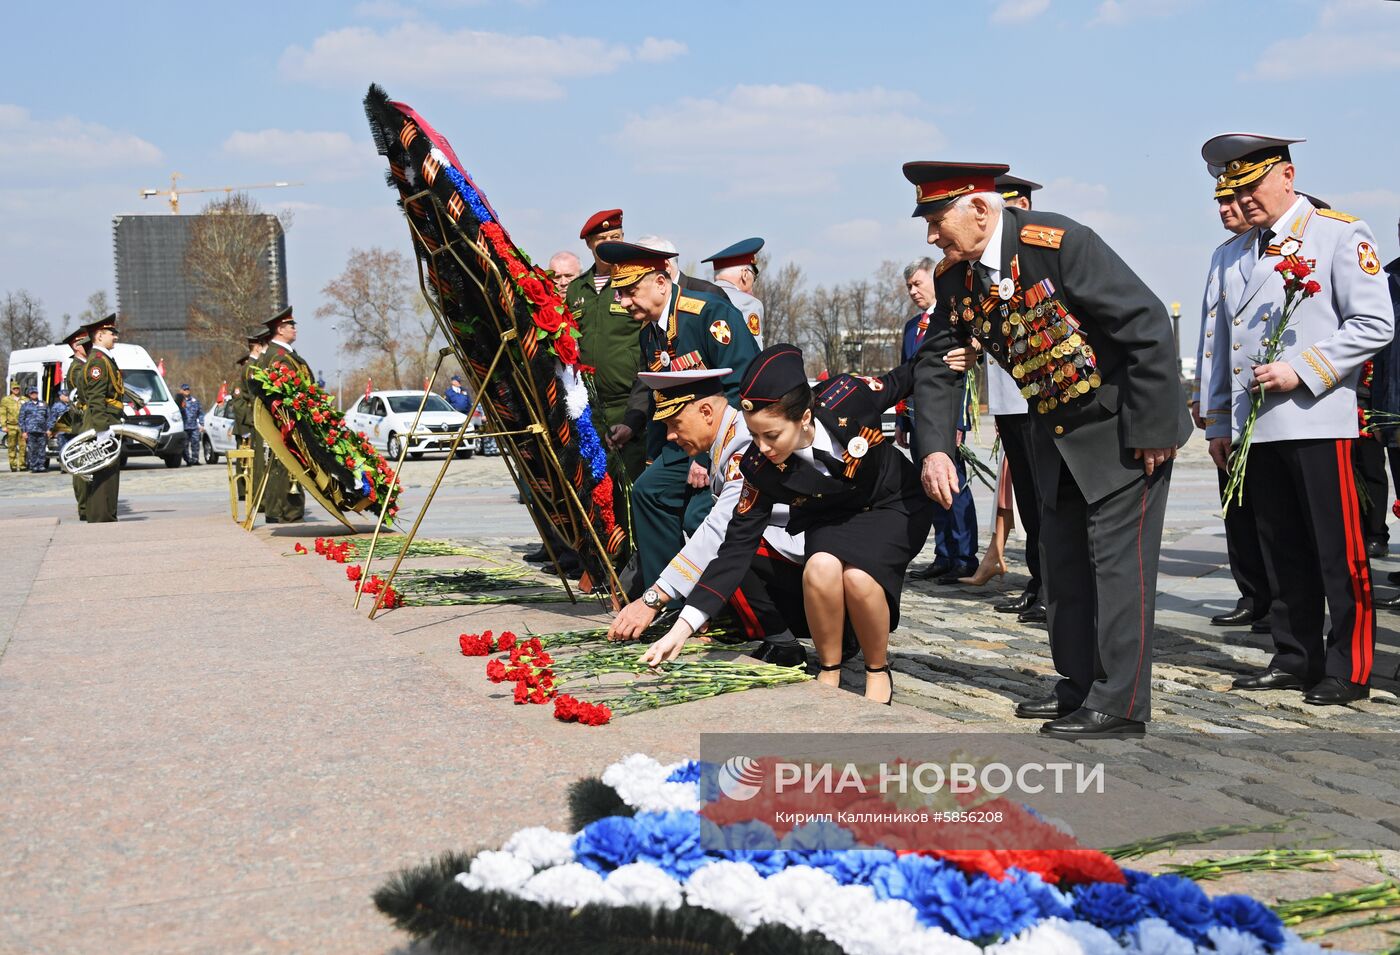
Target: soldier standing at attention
column 736, row 273
column 34, row 422
column 1092, row 350
column 241, row 405
column 78, row 341
column 193, row 416
column 281, row 501
column 102, row 391
column 9, row 417
column 1300, row 471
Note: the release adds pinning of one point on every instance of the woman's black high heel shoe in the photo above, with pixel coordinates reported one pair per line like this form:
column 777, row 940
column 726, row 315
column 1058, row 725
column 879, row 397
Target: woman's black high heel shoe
column 827, row 669
column 884, row 669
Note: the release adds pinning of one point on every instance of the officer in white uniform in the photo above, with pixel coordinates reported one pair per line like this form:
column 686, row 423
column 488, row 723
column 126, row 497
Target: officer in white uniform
column 769, row 603
column 1300, row 470
column 736, row 272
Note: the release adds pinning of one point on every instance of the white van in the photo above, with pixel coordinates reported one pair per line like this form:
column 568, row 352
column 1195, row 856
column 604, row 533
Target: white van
column 46, row 368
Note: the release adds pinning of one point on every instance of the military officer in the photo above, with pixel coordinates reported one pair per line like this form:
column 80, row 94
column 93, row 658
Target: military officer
column 78, row 341
column 768, row 603
column 1092, row 350
column 102, row 391
column 241, row 404
column 9, row 417
column 609, row 343
column 689, row 284
column 34, row 422
column 736, row 272
column 1241, row 530
column 678, row 332
column 283, row 502
column 1300, row 471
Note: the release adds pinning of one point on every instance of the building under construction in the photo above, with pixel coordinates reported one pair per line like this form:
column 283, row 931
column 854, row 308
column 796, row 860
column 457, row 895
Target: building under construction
column 155, row 293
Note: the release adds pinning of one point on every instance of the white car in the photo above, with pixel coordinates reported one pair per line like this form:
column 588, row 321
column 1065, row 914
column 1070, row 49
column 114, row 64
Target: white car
column 385, row 417
column 218, row 436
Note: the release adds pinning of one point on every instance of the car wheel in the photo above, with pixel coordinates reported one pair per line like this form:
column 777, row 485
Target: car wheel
column 393, row 447
column 465, row 452
column 173, row 460
column 210, row 455
column 415, row 455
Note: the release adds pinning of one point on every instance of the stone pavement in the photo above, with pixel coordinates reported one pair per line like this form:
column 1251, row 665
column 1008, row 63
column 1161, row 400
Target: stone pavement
column 183, row 776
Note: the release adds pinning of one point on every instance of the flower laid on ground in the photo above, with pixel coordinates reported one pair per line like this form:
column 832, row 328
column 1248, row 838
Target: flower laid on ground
column 1297, row 288
column 315, row 431
column 376, row 586
column 673, row 879
column 299, row 548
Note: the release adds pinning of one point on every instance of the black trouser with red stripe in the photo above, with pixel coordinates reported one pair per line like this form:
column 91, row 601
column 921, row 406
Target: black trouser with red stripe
column 1315, row 554
column 1246, row 553
column 768, row 602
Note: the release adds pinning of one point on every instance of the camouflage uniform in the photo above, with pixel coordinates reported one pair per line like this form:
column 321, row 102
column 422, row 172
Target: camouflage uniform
column 34, row 422
column 9, row 419
column 193, row 416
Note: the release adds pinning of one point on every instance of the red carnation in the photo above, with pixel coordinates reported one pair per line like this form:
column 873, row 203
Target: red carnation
column 1312, row 288
column 565, row 708
column 1301, row 270
column 522, row 693
column 505, row 641
column 299, row 548
column 496, row 671
column 352, row 572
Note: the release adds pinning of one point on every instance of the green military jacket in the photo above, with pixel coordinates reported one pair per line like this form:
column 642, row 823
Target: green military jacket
column 9, row 412
column 610, row 341
column 101, row 391
column 240, row 404
column 73, row 381
column 279, row 353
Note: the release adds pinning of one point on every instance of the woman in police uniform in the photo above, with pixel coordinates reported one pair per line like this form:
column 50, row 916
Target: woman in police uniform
column 858, row 500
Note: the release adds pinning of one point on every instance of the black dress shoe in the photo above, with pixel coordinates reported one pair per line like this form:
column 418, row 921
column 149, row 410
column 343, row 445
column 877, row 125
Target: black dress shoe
column 1393, row 576
column 1034, row 615
column 1386, row 603
column 933, row 571
column 1261, row 625
column 960, row 569
column 1091, row 724
column 1377, row 549
column 537, row 556
column 1334, row 691
column 1020, row 604
column 1047, row 709
column 781, row 654
column 1270, row 679
column 1234, row 618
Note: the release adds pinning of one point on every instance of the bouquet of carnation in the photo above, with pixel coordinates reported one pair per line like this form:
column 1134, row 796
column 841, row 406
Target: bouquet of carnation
column 338, row 466
column 1297, row 288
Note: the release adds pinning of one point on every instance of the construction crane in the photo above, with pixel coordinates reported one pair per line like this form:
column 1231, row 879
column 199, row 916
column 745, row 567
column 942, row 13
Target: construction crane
column 173, row 196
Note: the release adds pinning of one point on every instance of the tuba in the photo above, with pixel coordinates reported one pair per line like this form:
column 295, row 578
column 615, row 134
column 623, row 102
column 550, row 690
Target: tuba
column 94, row 450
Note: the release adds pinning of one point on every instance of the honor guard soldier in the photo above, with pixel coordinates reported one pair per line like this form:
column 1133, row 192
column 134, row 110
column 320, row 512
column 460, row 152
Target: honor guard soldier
column 736, row 272
column 77, row 340
column 1092, row 350
column 1300, row 466
column 768, row 603
column 282, row 502
column 1241, row 530
column 102, row 391
column 678, row 332
column 241, row 405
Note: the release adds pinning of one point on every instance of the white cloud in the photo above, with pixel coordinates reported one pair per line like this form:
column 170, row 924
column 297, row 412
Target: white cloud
column 855, row 234
column 1116, row 12
column 786, row 140
column 1018, row 11
column 1350, row 38
column 294, row 146
column 475, row 62
column 1086, row 202
column 67, row 142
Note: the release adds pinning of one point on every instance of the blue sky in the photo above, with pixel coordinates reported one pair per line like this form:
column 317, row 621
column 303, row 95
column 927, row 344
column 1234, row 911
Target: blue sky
column 705, row 122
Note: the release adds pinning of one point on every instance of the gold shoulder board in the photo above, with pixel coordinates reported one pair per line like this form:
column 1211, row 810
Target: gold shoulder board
column 691, row 305
column 944, row 264
column 1334, row 214
column 1047, row 237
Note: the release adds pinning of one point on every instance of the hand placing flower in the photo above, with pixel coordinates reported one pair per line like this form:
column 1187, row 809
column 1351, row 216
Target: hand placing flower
column 669, row 646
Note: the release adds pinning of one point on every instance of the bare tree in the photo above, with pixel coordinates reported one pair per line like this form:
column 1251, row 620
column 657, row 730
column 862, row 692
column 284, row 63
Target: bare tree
column 227, row 265
column 783, row 292
column 377, row 309
column 98, row 306
column 22, row 324
column 889, row 309
column 821, row 329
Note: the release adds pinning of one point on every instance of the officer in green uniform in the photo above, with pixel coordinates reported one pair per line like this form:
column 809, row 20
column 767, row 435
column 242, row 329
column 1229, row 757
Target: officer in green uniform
column 283, row 503
column 241, row 403
column 678, row 332
column 73, row 381
column 609, row 343
column 101, row 393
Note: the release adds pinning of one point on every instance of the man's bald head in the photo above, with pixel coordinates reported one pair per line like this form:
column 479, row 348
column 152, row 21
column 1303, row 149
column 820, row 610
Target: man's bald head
column 565, row 267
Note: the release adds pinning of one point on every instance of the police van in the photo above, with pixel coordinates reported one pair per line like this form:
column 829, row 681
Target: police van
column 46, row 368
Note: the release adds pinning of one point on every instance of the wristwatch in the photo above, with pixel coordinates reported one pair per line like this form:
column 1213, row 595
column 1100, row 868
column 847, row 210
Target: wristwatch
column 652, row 598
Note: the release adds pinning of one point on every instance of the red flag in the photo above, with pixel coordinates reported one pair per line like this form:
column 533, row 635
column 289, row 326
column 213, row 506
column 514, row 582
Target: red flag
column 425, row 383
column 369, row 386
column 160, row 367
column 58, row 375
column 223, row 392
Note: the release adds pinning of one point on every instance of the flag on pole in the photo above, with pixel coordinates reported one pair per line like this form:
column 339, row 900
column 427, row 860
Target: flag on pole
column 369, row 386
column 223, row 393
column 160, row 367
column 425, row 383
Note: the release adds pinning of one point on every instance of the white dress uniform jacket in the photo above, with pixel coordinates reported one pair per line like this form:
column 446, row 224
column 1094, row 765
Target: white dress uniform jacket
column 1330, row 336
column 1205, row 341
column 751, row 308
column 726, row 483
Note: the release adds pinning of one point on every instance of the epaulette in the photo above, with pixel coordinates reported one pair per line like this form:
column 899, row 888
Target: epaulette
column 1047, row 237
column 692, row 305
column 1334, row 214
column 944, row 264
column 752, row 461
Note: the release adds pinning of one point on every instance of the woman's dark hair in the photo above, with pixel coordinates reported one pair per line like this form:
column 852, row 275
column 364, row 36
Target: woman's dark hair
column 792, row 404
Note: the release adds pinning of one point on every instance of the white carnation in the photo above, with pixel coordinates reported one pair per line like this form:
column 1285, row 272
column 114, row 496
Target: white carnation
column 569, row 885
column 640, row 782
column 641, row 883
column 734, row 889
column 541, row 847
column 575, row 392
column 1047, row 938
column 495, row 870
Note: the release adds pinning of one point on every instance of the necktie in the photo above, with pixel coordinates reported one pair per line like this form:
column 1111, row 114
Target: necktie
column 835, row 465
column 981, row 279
column 1265, row 238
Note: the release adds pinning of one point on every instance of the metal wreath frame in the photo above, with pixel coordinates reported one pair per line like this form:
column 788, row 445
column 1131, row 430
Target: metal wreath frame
column 517, row 361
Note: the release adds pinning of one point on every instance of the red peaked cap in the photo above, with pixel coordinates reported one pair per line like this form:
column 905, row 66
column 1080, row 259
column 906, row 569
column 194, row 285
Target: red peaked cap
column 601, row 222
